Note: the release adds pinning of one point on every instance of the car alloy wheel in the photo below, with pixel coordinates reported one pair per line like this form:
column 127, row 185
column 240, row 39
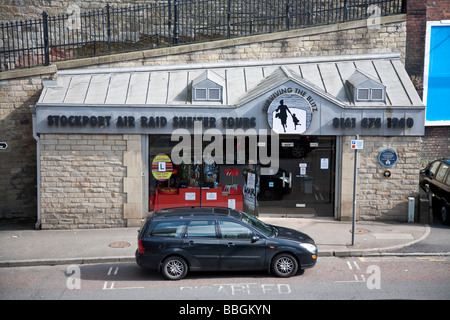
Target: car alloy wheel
column 174, row 268
column 284, row 265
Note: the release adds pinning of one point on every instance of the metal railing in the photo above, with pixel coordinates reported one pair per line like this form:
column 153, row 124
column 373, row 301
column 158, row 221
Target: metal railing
column 111, row 30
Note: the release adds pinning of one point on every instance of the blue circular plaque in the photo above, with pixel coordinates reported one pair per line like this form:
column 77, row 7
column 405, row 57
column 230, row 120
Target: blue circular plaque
column 387, row 158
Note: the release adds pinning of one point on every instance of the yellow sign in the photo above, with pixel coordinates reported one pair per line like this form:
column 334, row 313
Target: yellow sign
column 162, row 167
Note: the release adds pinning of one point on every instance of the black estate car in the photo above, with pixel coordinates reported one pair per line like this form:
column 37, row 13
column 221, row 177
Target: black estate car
column 175, row 241
column 435, row 181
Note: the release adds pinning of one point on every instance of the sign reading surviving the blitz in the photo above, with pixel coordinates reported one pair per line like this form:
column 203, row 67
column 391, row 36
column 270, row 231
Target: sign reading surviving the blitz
column 290, row 113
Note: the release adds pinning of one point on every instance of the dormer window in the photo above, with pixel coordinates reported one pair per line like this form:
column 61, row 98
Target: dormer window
column 364, row 88
column 369, row 94
column 208, row 87
column 207, row 94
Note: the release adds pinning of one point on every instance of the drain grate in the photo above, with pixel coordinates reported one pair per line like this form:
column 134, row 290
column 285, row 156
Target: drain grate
column 119, row 244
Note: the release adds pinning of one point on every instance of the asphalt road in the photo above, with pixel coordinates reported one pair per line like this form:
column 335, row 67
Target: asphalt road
column 436, row 241
column 332, row 278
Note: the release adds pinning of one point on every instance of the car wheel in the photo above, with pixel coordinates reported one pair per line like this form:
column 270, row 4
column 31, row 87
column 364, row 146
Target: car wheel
column 445, row 214
column 174, row 268
column 284, row 265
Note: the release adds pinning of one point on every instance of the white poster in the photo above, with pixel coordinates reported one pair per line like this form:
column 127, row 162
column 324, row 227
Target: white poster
column 251, row 180
column 211, row 196
column 189, row 196
column 250, row 190
column 324, row 163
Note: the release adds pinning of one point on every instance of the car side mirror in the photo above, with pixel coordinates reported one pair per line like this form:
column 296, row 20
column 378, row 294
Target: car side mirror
column 427, row 173
column 255, row 238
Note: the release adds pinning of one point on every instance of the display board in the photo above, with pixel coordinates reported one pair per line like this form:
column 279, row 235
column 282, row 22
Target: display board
column 437, row 73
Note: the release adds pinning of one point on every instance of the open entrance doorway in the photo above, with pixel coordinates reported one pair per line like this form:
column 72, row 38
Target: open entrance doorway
column 304, row 184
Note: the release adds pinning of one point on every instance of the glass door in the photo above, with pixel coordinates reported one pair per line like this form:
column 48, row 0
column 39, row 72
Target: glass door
column 304, row 184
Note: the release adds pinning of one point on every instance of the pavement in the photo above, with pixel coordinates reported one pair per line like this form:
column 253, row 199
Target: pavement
column 23, row 246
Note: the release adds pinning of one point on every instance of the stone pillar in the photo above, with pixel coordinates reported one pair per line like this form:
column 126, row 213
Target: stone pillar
column 347, row 173
column 133, row 182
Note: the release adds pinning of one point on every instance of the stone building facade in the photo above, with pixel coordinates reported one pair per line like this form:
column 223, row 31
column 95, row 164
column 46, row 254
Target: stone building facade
column 381, row 198
column 110, row 101
column 101, row 195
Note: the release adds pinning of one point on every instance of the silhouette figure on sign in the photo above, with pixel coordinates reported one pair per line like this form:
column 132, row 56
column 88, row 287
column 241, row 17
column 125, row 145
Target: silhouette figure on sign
column 282, row 114
column 296, row 121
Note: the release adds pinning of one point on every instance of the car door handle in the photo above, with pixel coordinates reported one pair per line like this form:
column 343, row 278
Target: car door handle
column 191, row 243
column 230, row 244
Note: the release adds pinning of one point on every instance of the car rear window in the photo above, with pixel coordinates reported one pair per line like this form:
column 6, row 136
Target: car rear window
column 168, row 229
column 441, row 173
column 433, row 168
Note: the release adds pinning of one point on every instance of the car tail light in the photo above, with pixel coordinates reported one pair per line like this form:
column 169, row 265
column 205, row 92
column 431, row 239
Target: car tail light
column 140, row 246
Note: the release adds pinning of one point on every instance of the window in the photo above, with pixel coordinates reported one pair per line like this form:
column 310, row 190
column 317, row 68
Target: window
column 377, row 94
column 201, row 94
column 441, row 173
column 363, row 94
column 214, row 94
column 202, row 228
column 447, row 182
column 207, row 94
column 168, row 229
column 433, row 168
column 233, row 230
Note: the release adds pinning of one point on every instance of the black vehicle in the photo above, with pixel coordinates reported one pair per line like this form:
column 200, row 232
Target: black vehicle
column 435, row 181
column 175, row 241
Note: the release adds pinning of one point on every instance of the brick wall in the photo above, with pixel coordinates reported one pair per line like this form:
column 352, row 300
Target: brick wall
column 435, row 144
column 415, row 41
column 438, row 10
column 418, row 13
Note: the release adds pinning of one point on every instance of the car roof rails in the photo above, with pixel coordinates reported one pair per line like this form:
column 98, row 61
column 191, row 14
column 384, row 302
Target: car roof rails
column 194, row 211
